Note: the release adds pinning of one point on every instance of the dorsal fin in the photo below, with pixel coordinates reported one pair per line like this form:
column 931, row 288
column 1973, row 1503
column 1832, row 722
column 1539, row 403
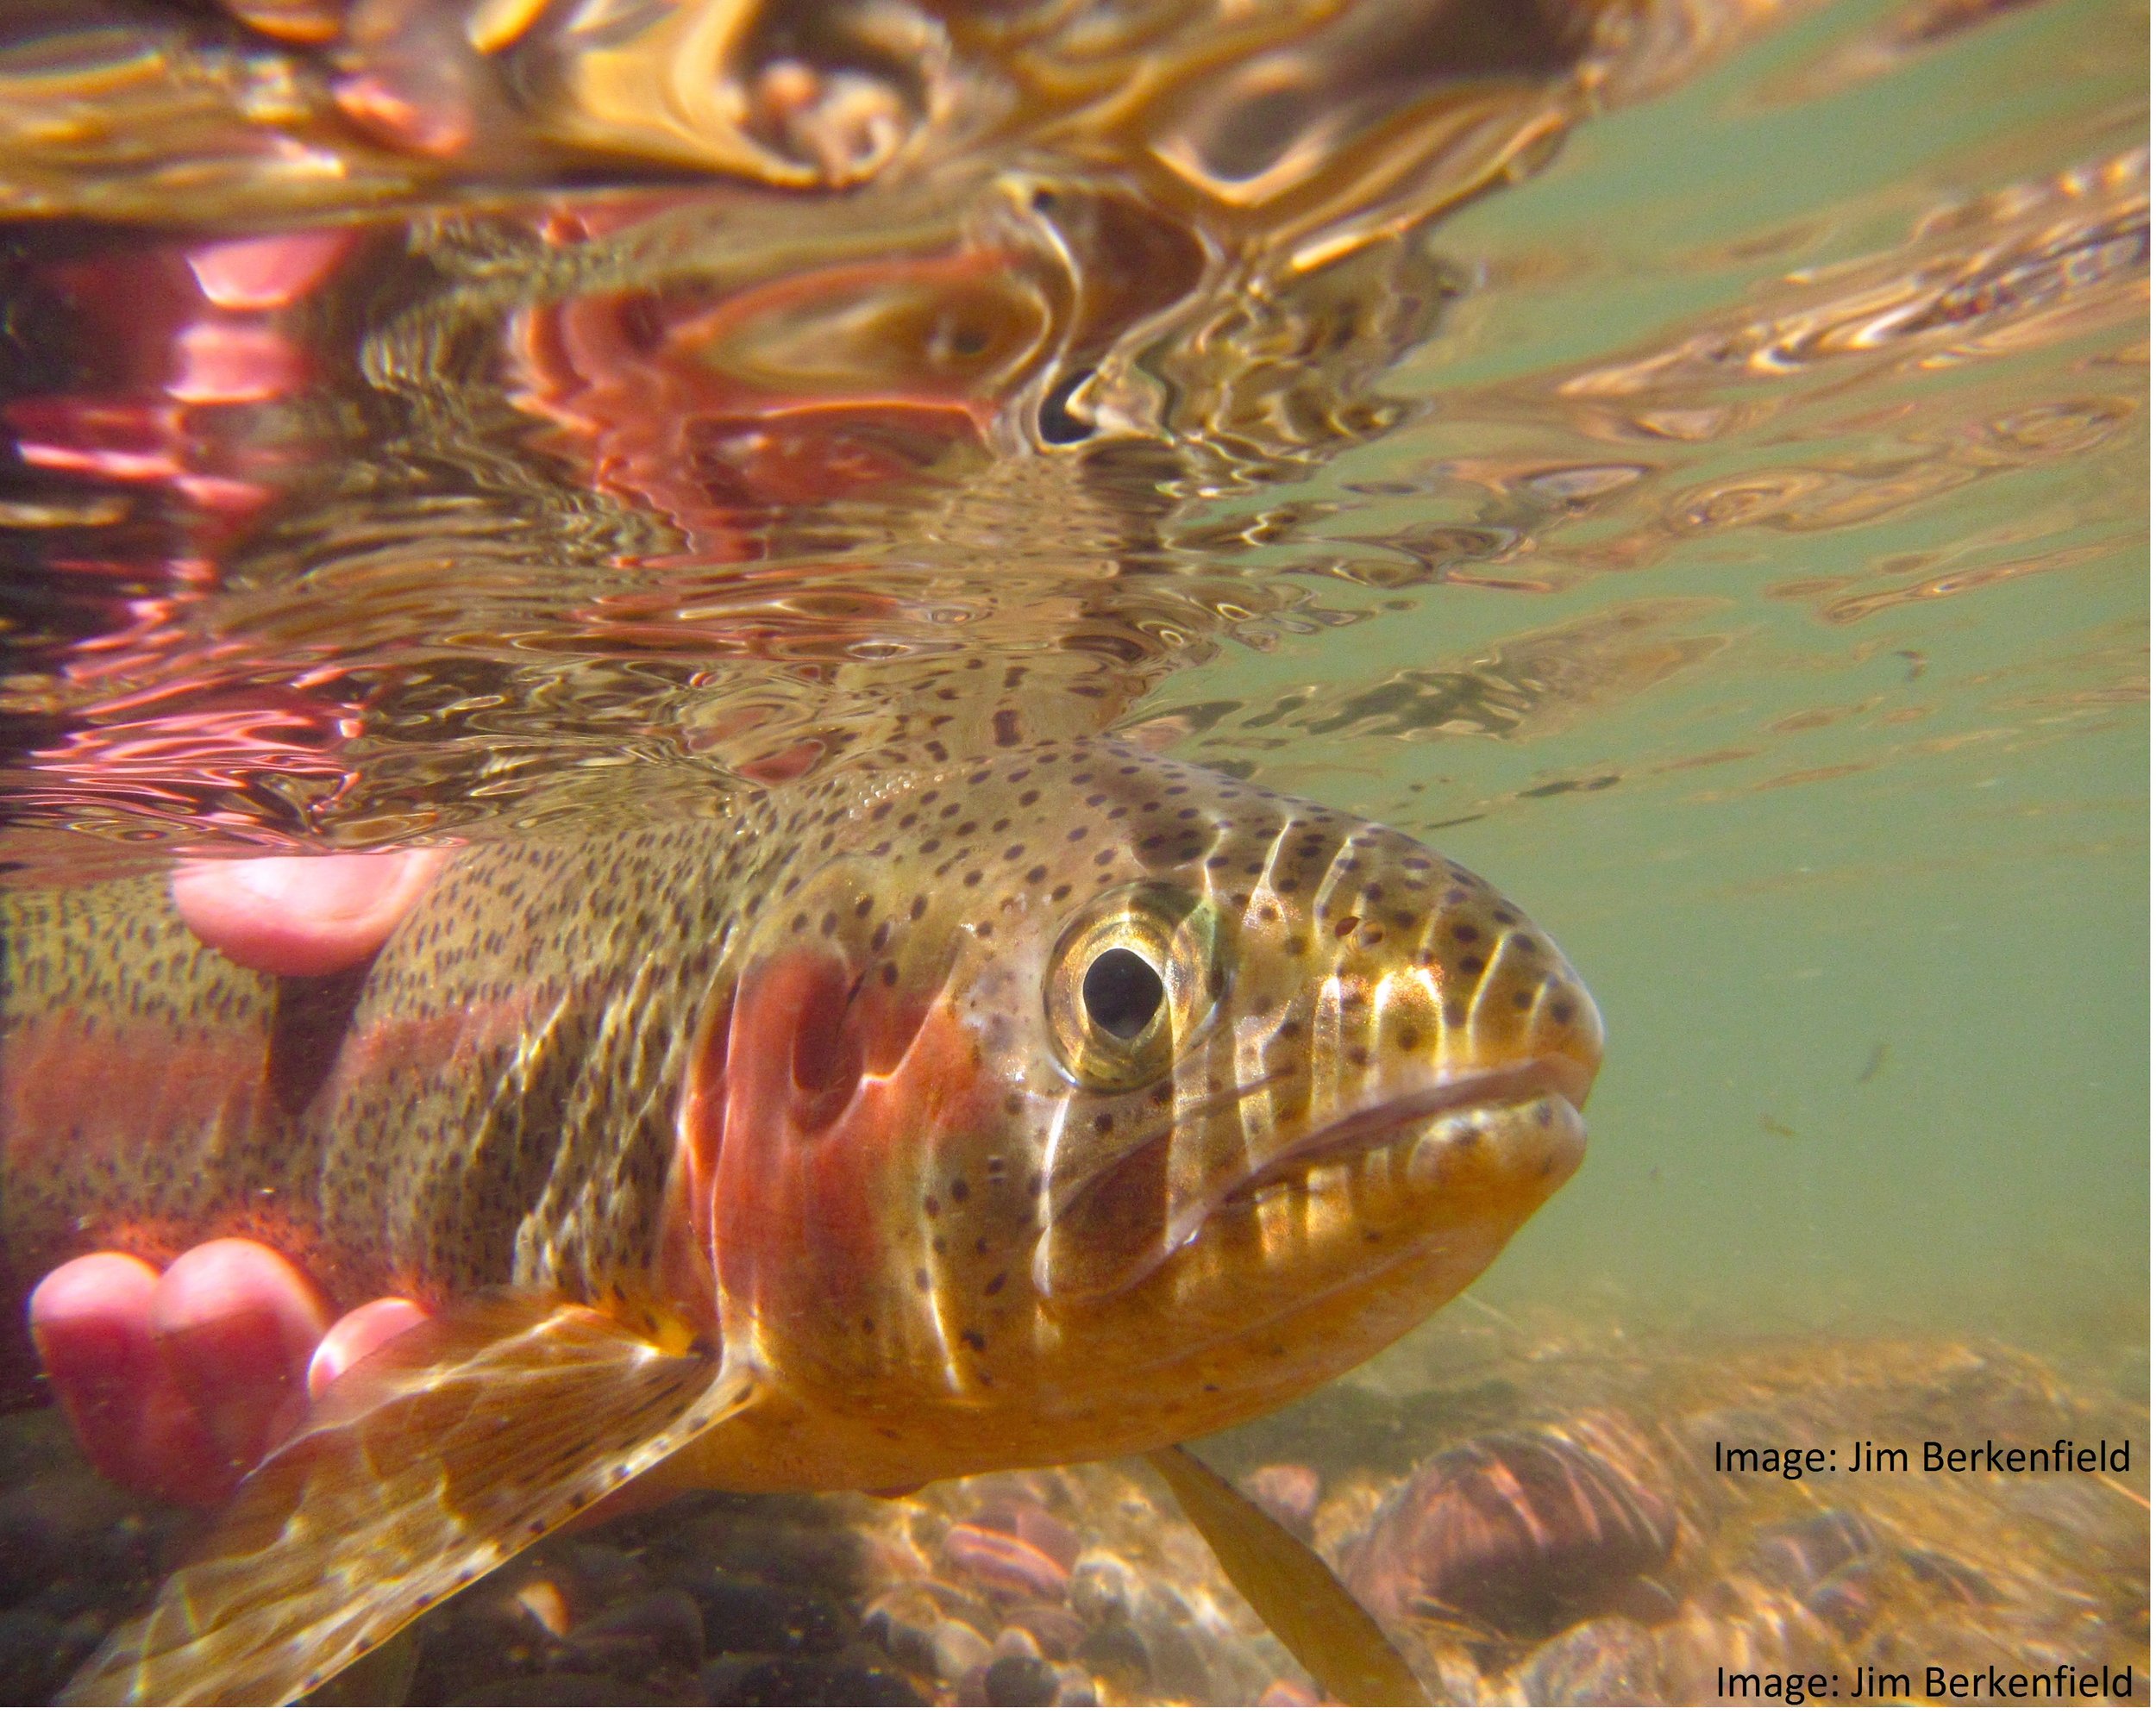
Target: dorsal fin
column 429, row 1465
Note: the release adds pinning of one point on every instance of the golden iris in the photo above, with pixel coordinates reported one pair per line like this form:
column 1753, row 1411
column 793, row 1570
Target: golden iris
column 1134, row 977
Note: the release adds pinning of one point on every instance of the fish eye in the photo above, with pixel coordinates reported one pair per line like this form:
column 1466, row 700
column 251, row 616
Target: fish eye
column 1122, row 991
column 1135, row 975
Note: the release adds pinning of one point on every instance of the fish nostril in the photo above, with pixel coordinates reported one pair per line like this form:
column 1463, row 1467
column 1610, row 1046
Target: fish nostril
column 1569, row 1027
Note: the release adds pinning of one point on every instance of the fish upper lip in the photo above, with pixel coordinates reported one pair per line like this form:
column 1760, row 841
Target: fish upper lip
column 1353, row 1133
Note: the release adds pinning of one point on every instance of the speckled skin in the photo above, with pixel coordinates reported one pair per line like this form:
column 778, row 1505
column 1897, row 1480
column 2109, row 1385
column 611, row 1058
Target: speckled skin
column 502, row 1074
column 793, row 1071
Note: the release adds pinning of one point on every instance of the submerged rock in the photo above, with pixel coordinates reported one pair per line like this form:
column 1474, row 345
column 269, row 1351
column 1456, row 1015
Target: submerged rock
column 1520, row 1531
column 1800, row 1555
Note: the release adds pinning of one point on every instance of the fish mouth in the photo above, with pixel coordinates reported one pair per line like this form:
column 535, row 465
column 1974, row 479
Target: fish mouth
column 1553, row 1085
column 1120, row 1222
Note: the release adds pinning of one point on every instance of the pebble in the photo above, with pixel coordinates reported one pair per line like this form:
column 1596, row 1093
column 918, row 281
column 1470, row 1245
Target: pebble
column 1287, row 1491
column 1950, row 1577
column 1056, row 1630
column 1020, row 1681
column 1103, row 1587
column 1604, row 1663
column 1010, row 1508
column 1802, row 1553
column 1003, row 1561
column 902, row 1621
column 1115, row 1653
column 1850, row 1600
column 956, row 1649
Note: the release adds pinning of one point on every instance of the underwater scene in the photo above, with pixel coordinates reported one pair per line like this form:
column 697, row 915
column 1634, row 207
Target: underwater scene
column 1073, row 852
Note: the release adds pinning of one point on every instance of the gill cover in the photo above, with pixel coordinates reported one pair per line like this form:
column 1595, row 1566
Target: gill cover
column 830, row 1066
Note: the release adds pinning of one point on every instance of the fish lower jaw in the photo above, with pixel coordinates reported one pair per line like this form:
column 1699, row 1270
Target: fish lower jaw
column 1521, row 1119
column 1544, row 1140
column 1352, row 1246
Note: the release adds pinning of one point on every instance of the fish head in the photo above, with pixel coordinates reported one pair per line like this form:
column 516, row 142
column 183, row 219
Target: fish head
column 1081, row 1100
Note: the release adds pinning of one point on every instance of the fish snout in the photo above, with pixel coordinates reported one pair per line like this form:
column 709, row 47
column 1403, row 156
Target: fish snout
column 1528, row 1007
column 1424, row 971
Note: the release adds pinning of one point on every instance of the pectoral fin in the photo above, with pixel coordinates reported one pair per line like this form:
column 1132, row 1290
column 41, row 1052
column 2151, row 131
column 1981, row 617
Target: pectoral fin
column 425, row 1467
column 1293, row 1591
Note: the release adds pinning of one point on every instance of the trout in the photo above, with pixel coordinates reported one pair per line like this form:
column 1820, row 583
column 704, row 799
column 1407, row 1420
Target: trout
column 993, row 1114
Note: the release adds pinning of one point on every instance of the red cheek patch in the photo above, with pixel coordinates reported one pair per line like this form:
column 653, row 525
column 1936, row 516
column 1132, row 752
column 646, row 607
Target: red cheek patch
column 814, row 1104
column 806, row 1007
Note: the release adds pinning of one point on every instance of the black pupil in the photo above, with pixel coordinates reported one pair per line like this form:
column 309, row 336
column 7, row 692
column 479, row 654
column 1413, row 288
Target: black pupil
column 1122, row 991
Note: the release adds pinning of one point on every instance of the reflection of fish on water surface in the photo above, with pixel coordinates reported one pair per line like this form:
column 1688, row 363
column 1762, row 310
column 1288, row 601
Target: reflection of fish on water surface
column 1008, row 1112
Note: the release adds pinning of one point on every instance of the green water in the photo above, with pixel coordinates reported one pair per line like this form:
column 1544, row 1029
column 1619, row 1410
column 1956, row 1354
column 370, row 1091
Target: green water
column 1876, row 979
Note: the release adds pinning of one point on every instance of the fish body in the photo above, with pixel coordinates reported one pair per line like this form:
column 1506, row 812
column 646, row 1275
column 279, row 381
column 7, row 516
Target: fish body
column 1013, row 1112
